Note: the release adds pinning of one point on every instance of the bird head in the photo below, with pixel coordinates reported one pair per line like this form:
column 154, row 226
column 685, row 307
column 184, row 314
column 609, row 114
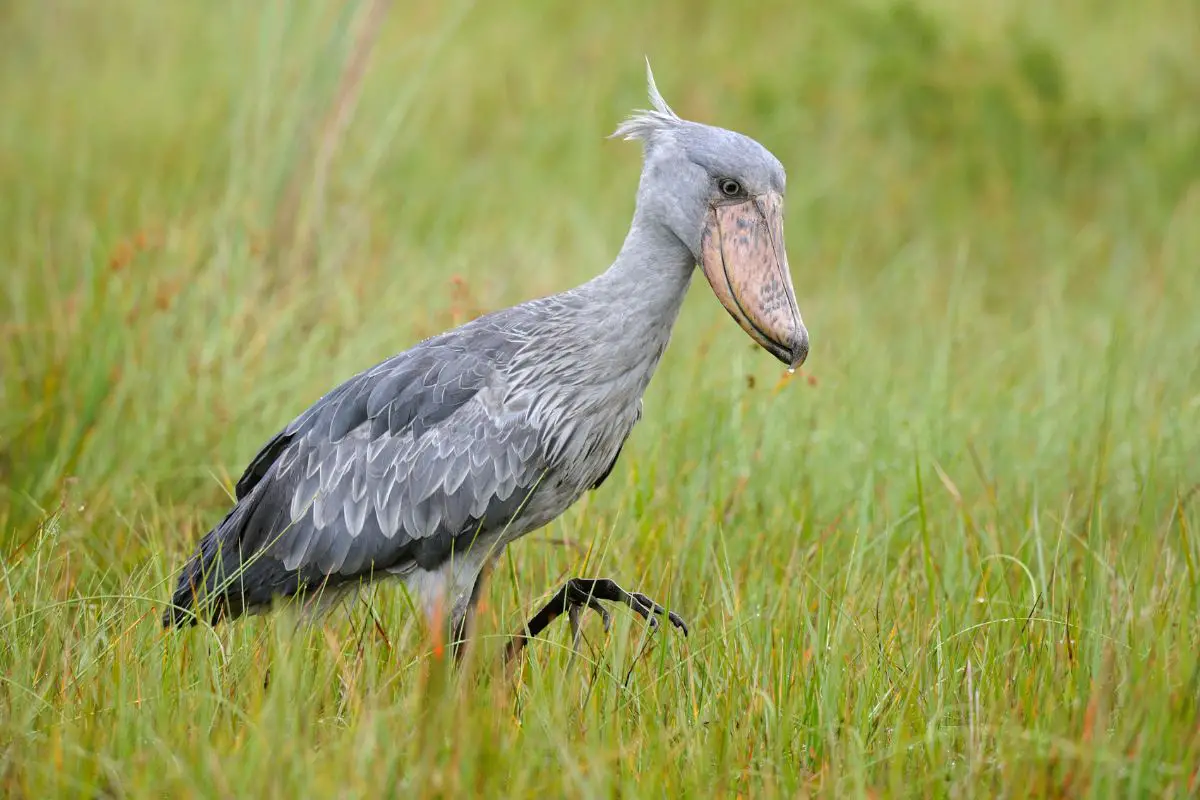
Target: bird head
column 721, row 194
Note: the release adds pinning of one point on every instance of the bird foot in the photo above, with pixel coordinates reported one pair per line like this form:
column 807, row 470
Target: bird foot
column 579, row 593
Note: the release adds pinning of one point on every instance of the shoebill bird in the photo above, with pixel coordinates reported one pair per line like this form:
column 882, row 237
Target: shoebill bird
column 426, row 466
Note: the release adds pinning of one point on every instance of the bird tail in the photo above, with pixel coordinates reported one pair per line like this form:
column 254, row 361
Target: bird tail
column 199, row 591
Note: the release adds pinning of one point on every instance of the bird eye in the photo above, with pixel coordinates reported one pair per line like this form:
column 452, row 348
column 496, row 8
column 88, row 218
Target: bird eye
column 730, row 187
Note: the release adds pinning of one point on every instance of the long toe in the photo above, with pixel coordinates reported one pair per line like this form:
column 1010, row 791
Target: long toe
column 605, row 617
column 578, row 593
column 645, row 606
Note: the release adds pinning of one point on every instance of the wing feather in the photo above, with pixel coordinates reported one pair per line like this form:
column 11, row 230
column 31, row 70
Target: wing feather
column 396, row 466
column 428, row 497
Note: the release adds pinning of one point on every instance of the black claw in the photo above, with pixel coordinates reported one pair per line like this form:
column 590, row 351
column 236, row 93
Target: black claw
column 580, row 592
column 648, row 606
column 594, row 605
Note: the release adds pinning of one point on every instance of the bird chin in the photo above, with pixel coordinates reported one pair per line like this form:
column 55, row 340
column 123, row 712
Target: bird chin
column 743, row 257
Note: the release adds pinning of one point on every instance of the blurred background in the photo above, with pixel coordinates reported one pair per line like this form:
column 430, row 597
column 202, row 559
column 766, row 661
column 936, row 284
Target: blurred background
column 210, row 207
column 211, row 213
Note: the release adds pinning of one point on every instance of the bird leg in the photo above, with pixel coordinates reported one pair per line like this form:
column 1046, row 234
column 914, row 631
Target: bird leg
column 579, row 592
column 460, row 628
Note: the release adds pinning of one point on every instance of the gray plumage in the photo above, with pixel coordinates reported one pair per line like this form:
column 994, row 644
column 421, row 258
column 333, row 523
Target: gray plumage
column 427, row 465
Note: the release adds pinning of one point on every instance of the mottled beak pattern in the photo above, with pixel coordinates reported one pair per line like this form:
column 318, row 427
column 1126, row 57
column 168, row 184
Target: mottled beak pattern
column 743, row 257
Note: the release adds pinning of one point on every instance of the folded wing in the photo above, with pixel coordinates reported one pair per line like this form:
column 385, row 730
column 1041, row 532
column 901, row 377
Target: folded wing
column 400, row 466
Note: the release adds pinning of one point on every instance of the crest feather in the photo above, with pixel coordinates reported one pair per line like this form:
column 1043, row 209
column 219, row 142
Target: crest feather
column 645, row 123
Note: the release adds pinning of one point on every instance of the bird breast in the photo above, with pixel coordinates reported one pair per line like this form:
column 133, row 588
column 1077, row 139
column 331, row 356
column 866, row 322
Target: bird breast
column 585, row 439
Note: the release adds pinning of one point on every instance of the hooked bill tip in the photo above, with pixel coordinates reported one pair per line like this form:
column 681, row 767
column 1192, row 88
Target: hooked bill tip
column 799, row 348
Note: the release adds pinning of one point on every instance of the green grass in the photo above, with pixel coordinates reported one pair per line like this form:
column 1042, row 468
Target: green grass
column 957, row 555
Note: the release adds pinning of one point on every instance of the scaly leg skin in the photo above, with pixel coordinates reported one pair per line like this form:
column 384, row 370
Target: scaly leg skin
column 460, row 628
column 580, row 592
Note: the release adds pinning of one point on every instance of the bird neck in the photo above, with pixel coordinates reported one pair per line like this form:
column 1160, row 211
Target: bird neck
column 649, row 278
column 633, row 305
